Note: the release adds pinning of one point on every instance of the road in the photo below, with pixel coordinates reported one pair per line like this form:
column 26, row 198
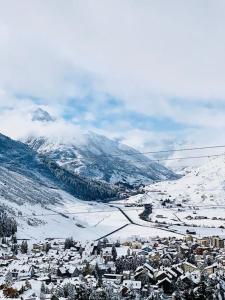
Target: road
column 126, row 216
column 131, row 222
column 108, row 234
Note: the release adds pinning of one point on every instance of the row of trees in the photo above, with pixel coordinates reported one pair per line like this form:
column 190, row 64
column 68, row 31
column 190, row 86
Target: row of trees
column 80, row 187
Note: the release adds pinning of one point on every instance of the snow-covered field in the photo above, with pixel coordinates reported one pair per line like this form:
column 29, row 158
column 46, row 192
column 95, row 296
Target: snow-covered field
column 73, row 217
column 133, row 232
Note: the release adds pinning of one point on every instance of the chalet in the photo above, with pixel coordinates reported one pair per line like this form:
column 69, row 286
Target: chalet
column 165, row 283
column 187, row 267
column 116, row 278
column 190, row 231
column 211, row 269
column 132, row 284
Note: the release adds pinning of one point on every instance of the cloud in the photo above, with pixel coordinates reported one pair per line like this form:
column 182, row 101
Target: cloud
column 162, row 60
column 131, row 49
column 18, row 123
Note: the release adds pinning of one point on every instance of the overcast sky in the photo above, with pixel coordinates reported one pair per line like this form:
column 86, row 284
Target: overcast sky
column 146, row 72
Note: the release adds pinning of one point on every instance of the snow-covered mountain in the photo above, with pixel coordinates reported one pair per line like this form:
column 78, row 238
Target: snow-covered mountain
column 204, row 186
column 25, row 177
column 97, row 157
column 42, row 115
column 38, row 197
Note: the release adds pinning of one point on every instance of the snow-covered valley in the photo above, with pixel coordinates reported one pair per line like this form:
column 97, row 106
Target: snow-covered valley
column 44, row 207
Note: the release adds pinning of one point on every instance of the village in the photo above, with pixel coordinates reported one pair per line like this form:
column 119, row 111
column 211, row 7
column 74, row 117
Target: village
column 136, row 268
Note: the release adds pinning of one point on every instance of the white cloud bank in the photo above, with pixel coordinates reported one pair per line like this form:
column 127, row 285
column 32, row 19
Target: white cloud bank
column 146, row 53
column 133, row 49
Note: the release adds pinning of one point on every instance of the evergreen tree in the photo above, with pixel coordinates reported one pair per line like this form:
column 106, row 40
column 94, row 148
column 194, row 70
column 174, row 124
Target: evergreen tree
column 47, row 247
column 14, row 249
column 81, row 250
column 8, row 278
column 114, row 253
column 43, row 287
column 24, row 247
column 14, row 239
column 59, row 292
column 8, row 224
column 68, row 243
column 71, row 292
column 87, row 269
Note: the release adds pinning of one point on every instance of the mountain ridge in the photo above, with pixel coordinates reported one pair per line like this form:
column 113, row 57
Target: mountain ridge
column 18, row 158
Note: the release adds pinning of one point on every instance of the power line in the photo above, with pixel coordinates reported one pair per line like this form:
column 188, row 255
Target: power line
column 167, row 151
column 188, row 157
column 177, row 158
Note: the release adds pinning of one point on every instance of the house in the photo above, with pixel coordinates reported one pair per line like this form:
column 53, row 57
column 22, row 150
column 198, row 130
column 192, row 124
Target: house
column 217, row 242
column 211, row 269
column 132, row 284
column 176, row 269
column 149, row 268
column 107, row 254
column 162, row 274
column 190, row 231
column 126, row 275
column 109, row 278
column 165, row 283
column 146, row 250
column 24, row 272
column 187, row 267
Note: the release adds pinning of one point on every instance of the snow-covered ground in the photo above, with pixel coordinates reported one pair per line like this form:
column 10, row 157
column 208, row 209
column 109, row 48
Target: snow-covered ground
column 133, row 231
column 73, row 217
column 203, row 186
column 196, row 201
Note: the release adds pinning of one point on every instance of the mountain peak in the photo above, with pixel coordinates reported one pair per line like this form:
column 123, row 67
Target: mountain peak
column 41, row 115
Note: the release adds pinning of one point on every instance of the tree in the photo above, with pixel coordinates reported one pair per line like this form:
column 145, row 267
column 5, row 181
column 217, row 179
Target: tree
column 98, row 274
column 114, row 253
column 59, row 291
column 47, row 247
column 28, row 285
column 14, row 249
column 24, row 247
column 87, row 269
column 68, row 243
column 8, row 224
column 10, row 292
column 43, row 287
column 54, row 297
column 98, row 295
column 8, row 278
column 71, row 292
column 14, row 239
column 81, row 250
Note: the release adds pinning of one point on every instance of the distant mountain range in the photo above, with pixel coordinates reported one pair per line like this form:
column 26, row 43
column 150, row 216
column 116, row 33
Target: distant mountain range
column 98, row 157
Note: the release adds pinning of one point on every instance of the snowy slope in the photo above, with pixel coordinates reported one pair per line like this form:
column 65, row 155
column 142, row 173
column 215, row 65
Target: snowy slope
column 19, row 158
column 42, row 207
column 38, row 200
column 97, row 157
column 203, row 186
column 89, row 221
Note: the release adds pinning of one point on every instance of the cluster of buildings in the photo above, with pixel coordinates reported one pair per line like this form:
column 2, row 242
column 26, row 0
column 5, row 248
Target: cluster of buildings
column 160, row 268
